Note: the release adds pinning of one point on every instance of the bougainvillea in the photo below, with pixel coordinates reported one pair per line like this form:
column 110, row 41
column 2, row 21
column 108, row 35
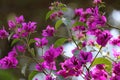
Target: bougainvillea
column 86, row 29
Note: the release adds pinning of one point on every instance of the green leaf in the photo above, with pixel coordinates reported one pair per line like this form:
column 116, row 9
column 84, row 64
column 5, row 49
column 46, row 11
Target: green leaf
column 64, row 9
column 7, row 75
column 58, row 23
column 14, row 41
column 102, row 5
column 79, row 24
column 33, row 52
column 32, row 74
column 80, row 44
column 48, row 14
column 59, row 42
column 101, row 60
column 61, row 5
column 31, row 41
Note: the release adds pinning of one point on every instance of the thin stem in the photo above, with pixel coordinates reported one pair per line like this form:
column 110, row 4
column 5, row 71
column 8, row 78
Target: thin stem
column 86, row 68
column 28, row 47
column 109, row 58
column 112, row 26
column 95, row 57
column 83, row 77
column 70, row 35
column 88, row 71
column 74, row 39
column 43, row 70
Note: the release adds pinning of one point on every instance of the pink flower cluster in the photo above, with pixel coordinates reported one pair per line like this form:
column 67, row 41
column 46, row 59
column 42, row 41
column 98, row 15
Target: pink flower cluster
column 49, row 59
column 3, row 34
column 21, row 28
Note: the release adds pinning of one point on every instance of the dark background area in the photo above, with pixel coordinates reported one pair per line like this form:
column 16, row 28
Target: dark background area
column 36, row 9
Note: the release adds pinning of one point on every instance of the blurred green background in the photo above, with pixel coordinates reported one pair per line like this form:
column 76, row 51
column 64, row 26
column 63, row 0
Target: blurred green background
column 35, row 10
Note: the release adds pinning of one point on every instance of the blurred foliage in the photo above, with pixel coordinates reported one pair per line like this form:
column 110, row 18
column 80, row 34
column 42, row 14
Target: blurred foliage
column 7, row 75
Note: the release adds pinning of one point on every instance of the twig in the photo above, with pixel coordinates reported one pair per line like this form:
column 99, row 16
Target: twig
column 74, row 40
column 88, row 71
column 95, row 57
column 112, row 26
